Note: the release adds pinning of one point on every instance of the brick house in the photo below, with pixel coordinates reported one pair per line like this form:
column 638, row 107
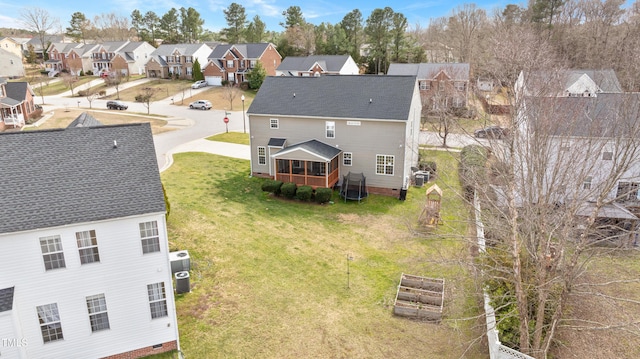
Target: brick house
column 442, row 85
column 231, row 62
column 16, row 103
column 128, row 57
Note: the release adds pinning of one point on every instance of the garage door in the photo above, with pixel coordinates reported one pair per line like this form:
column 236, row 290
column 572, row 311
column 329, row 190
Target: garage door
column 213, row 80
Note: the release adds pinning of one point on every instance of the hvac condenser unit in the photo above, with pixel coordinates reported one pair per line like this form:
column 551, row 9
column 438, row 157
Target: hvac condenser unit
column 179, row 261
column 182, row 282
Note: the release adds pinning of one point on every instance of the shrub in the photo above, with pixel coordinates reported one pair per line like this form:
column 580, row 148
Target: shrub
column 323, row 194
column 82, row 93
column 224, row 82
column 244, row 86
column 272, row 186
column 89, row 72
column 430, row 166
column 81, row 73
column 289, row 190
column 102, row 93
column 304, row 193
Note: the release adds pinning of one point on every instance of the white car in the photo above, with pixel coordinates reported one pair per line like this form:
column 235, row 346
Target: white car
column 201, row 104
column 198, row 84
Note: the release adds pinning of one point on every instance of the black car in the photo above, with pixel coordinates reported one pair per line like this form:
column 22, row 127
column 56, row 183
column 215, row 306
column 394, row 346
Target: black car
column 492, row 132
column 116, row 105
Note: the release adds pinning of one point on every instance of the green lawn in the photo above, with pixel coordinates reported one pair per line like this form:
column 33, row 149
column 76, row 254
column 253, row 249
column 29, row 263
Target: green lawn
column 232, row 137
column 269, row 277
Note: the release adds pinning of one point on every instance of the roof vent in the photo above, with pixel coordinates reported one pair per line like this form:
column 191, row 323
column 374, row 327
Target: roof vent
column 115, row 144
column 294, row 94
column 370, row 100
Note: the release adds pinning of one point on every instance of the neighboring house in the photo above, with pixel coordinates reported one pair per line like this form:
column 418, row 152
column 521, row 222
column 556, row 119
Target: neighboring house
column 80, row 59
column 85, row 256
column 16, row 103
column 583, row 131
column 232, row 62
column 126, row 57
column 58, row 53
column 38, row 47
column 567, row 82
column 172, row 60
column 442, row 85
column 11, row 65
column 314, row 130
column 12, row 45
column 317, row 65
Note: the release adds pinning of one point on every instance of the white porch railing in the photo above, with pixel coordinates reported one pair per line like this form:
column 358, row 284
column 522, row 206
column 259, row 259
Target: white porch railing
column 496, row 349
column 15, row 120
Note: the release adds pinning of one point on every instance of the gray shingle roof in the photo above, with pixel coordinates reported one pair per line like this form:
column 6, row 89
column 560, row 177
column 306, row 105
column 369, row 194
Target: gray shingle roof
column 329, row 63
column 555, row 82
column 77, row 175
column 316, row 147
column 346, row 96
column 6, row 299
column 17, row 90
column 184, row 49
column 85, row 120
column 604, row 116
column 456, row 71
column 249, row 51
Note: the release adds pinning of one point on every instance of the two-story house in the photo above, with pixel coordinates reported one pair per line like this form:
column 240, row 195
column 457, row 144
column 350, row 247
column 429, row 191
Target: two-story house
column 11, row 45
column 16, row 103
column 576, row 144
column 231, row 62
column 442, row 85
column 173, row 60
column 124, row 57
column 316, row 65
column 58, row 53
column 84, row 255
column 314, row 130
column 11, row 65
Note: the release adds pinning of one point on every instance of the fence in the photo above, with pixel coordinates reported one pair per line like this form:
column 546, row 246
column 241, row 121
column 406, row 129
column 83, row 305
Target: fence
column 496, row 349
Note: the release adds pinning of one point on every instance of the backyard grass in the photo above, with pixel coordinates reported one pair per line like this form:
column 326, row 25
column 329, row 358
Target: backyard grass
column 161, row 89
column 269, row 277
column 62, row 118
column 232, row 137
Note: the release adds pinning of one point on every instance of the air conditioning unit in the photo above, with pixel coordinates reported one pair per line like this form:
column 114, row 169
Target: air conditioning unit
column 182, row 282
column 180, row 261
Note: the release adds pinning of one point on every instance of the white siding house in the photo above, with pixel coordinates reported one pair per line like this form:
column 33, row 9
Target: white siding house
column 316, row 65
column 84, row 256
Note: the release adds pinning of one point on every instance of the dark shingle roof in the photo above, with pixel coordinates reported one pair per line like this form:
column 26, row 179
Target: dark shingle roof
column 249, row 51
column 17, row 90
column 316, row 147
column 556, row 82
column 6, row 299
column 78, row 175
column 85, row 120
column 346, row 96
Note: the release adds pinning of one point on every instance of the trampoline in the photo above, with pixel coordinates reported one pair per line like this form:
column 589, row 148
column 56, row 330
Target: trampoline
column 354, row 187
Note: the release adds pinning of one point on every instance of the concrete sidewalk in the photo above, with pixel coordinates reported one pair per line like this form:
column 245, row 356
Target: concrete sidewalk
column 214, row 147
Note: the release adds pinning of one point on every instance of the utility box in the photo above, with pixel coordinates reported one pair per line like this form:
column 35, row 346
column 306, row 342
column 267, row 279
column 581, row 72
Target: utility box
column 180, row 261
column 419, row 181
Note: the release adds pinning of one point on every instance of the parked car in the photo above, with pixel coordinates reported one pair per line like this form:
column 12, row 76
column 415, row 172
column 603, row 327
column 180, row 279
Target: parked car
column 491, row 132
column 116, row 105
column 201, row 104
column 198, row 84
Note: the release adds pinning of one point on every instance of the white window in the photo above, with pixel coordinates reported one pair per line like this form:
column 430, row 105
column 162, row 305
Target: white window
column 157, row 300
column 189, row 71
column 274, row 123
column 458, row 102
column 252, row 63
column 52, row 252
column 384, row 164
column 49, row 322
column 425, row 85
column 262, row 155
column 587, row 182
column 459, row 86
column 149, row 236
column 229, row 63
column 87, row 246
column 441, row 86
column 607, row 155
column 97, row 307
column 347, row 158
column 330, row 129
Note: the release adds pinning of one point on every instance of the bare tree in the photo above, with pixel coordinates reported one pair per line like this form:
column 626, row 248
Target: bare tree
column 552, row 204
column 230, row 93
column 112, row 27
column 69, row 81
column 40, row 21
column 146, row 97
column 91, row 94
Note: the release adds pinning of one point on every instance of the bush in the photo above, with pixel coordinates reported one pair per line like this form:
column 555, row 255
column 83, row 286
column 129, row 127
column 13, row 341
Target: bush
column 89, row 72
column 323, row 194
column 244, row 86
column 81, row 73
column 224, row 82
column 430, row 166
column 272, row 186
column 289, row 190
column 102, row 93
column 304, row 193
column 82, row 93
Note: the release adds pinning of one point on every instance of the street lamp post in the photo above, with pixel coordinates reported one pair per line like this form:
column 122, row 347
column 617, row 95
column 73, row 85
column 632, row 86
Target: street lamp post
column 244, row 125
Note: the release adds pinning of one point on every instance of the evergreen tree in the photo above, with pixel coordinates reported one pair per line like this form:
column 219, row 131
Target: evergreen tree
column 197, row 71
column 237, row 20
column 256, row 76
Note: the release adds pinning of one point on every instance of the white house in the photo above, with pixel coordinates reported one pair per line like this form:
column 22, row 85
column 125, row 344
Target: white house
column 84, row 254
column 316, row 65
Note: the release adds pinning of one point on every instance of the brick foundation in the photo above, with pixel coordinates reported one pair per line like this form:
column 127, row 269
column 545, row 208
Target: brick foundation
column 146, row 351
